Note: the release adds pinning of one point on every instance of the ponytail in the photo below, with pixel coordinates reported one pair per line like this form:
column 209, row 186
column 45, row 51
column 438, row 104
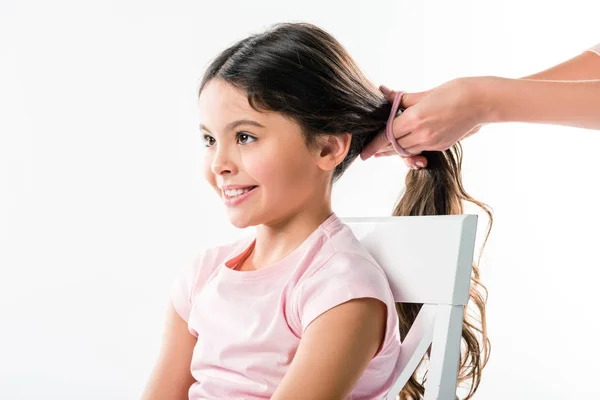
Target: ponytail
column 438, row 190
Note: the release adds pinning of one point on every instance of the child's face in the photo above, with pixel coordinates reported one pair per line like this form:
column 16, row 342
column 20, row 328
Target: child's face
column 264, row 174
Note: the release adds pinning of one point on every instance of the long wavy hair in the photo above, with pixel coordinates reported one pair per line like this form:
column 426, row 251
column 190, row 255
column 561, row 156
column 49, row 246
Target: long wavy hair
column 301, row 71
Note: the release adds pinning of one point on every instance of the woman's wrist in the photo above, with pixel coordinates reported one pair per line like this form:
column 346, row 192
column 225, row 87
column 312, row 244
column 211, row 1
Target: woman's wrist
column 484, row 96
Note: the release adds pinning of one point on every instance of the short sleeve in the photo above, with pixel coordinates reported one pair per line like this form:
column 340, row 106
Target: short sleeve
column 595, row 49
column 345, row 276
column 181, row 291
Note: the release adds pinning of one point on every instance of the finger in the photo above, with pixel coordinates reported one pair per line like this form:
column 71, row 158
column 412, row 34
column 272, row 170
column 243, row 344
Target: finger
column 416, row 162
column 389, row 93
column 410, row 99
column 379, row 141
column 414, row 151
column 399, row 130
column 386, row 153
column 407, row 99
column 412, row 162
column 387, row 147
column 411, row 143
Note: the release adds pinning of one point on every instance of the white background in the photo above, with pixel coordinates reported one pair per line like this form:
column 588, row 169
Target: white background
column 102, row 201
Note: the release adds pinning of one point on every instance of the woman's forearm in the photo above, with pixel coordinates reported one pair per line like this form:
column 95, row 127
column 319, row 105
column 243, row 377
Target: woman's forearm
column 572, row 103
column 550, row 96
column 584, row 66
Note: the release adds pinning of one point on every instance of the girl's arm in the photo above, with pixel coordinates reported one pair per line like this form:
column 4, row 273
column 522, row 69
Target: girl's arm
column 334, row 351
column 171, row 377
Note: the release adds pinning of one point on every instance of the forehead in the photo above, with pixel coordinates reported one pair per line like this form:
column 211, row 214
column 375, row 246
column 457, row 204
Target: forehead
column 221, row 103
column 220, row 97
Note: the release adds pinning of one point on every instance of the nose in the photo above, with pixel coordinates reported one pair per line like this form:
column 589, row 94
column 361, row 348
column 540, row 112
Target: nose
column 223, row 161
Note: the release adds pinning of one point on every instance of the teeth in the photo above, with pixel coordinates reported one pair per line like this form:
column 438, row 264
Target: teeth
column 235, row 192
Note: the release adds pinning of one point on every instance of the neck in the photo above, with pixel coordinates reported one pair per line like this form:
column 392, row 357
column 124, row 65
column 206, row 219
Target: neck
column 277, row 239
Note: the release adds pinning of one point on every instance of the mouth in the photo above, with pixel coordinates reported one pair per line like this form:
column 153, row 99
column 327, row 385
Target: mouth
column 231, row 194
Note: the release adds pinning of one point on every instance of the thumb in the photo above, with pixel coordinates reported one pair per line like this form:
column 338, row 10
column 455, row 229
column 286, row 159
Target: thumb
column 410, row 99
column 389, row 93
column 407, row 100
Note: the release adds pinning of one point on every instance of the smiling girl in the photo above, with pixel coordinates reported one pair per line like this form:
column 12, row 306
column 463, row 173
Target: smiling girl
column 299, row 310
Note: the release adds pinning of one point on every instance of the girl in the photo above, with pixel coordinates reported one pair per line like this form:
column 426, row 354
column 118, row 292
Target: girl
column 300, row 310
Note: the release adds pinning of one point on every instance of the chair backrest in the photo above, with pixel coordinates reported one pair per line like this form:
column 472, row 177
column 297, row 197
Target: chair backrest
column 427, row 259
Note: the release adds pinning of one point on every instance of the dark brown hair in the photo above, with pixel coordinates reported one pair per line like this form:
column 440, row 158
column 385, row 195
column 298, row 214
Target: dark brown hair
column 301, row 71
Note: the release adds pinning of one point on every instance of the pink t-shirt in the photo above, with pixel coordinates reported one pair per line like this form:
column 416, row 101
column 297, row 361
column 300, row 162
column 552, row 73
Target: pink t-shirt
column 249, row 323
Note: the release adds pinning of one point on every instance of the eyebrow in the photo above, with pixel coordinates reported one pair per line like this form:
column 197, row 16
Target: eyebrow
column 235, row 124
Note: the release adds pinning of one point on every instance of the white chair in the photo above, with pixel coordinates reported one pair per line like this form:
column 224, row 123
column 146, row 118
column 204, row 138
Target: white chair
column 427, row 259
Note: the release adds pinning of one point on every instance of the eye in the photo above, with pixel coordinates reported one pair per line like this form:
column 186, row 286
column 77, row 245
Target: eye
column 245, row 138
column 209, row 140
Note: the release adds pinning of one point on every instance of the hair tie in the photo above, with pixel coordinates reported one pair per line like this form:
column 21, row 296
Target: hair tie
column 388, row 129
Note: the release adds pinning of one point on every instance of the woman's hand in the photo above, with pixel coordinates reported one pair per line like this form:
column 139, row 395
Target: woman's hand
column 433, row 120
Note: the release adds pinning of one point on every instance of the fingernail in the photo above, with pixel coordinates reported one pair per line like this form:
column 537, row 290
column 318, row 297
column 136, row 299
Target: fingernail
column 420, row 164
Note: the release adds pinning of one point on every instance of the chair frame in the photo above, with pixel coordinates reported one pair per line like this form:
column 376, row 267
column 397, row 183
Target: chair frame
column 428, row 260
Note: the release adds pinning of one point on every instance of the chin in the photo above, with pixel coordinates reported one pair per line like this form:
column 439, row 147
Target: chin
column 241, row 221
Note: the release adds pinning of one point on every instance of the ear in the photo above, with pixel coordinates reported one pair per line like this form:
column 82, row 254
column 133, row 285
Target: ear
column 331, row 150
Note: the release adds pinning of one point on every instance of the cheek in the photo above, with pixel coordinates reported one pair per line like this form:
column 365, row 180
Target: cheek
column 260, row 169
column 282, row 173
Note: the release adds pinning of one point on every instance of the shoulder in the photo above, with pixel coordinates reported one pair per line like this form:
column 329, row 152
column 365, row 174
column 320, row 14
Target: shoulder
column 595, row 49
column 342, row 271
column 342, row 254
column 346, row 269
